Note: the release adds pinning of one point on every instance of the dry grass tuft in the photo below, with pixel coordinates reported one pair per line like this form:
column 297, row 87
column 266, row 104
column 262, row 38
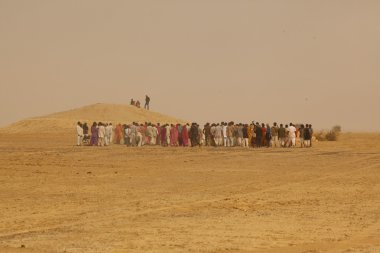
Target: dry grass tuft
column 331, row 135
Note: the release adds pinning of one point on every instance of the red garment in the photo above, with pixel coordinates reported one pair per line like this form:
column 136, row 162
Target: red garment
column 118, row 133
column 263, row 140
column 185, row 136
column 174, row 136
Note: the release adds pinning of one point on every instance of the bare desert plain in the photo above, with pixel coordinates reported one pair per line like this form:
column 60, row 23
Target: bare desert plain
column 57, row 197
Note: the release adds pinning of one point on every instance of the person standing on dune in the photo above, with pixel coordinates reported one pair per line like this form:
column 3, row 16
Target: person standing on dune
column 147, row 101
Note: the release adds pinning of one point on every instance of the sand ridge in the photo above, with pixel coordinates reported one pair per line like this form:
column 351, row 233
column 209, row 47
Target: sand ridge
column 65, row 122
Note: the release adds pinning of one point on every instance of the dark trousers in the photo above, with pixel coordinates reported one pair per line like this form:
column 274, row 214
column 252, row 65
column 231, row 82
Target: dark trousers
column 258, row 141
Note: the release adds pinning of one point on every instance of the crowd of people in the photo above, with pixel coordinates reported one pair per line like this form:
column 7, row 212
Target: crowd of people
column 225, row 134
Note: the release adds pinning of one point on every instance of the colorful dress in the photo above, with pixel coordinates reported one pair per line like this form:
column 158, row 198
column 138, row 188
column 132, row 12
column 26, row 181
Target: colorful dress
column 94, row 136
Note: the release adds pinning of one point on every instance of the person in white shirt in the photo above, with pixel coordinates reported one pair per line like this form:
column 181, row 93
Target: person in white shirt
column 168, row 128
column 224, row 130
column 79, row 134
column 133, row 134
column 108, row 135
column 292, row 135
column 154, row 133
column 218, row 135
column 127, row 135
column 101, row 134
column 139, row 136
column 188, row 127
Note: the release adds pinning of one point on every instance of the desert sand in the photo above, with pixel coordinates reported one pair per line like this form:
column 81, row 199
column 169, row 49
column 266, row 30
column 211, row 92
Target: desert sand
column 56, row 197
column 65, row 122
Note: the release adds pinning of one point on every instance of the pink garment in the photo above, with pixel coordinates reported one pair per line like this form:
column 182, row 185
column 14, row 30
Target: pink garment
column 174, row 136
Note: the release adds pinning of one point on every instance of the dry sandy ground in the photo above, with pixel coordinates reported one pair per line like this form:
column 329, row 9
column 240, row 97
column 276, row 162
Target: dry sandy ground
column 56, row 197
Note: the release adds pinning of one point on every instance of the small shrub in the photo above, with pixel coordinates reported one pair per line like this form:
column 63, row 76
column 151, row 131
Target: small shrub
column 331, row 135
column 337, row 129
column 320, row 135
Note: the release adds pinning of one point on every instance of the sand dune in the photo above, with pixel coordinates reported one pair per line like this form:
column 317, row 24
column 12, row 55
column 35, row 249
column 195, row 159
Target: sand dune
column 66, row 121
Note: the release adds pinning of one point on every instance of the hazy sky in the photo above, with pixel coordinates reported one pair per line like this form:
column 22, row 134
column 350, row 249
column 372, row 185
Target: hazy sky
column 204, row 60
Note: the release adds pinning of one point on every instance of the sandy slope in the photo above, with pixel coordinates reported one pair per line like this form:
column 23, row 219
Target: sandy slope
column 66, row 121
column 60, row 198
